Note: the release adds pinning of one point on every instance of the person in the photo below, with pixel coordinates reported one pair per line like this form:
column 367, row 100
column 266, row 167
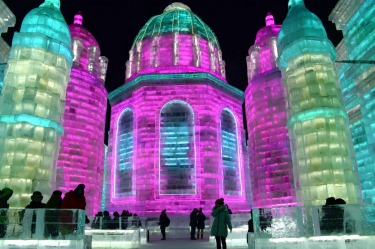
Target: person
column 124, row 219
column 201, row 224
column 5, row 195
column 51, row 216
column 250, row 229
column 74, row 199
column 193, row 223
column 163, row 223
column 221, row 223
column 36, row 203
column 115, row 223
column 136, row 221
column 328, row 210
column 96, row 222
column 106, row 223
column 339, row 215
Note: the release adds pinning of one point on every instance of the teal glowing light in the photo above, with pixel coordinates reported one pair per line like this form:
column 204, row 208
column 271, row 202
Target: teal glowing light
column 290, row 41
column 177, row 17
column 45, row 27
column 177, row 149
column 123, row 170
column 315, row 113
column 230, row 154
column 19, row 118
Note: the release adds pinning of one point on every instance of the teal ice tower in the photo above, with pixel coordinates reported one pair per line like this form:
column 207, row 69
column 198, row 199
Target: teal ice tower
column 356, row 20
column 32, row 104
column 322, row 151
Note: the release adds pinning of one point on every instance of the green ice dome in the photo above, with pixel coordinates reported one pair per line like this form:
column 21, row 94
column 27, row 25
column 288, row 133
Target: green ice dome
column 176, row 17
column 302, row 32
column 47, row 21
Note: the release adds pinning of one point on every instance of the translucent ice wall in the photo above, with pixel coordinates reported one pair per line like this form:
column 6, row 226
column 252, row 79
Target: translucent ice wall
column 7, row 19
column 266, row 115
column 185, row 153
column 356, row 20
column 82, row 152
column 32, row 103
column 322, row 151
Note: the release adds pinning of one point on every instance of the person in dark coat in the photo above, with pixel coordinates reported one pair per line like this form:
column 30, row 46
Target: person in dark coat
column 96, row 222
column 163, row 223
column 36, row 203
column 74, row 199
column 221, row 223
column 115, row 224
column 201, row 223
column 193, row 223
column 106, row 224
column 124, row 219
column 5, row 195
column 327, row 225
column 51, row 216
column 250, row 225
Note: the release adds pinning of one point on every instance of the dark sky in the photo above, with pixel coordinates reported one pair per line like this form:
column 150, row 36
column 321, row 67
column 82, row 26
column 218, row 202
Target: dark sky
column 115, row 24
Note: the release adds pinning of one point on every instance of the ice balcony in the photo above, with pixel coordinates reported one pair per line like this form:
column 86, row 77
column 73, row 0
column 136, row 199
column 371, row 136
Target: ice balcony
column 43, row 228
column 324, row 227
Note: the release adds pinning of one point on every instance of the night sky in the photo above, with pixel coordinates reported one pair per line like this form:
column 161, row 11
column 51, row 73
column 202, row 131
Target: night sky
column 115, row 24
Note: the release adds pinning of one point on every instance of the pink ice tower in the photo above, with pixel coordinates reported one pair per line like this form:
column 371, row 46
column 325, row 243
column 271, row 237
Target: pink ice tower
column 176, row 133
column 269, row 149
column 82, row 152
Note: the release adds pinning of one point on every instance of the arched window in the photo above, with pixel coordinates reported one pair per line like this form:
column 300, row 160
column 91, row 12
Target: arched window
column 177, row 173
column 123, row 171
column 230, row 154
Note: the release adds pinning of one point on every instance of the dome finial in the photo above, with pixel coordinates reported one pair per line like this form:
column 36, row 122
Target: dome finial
column 78, row 18
column 55, row 3
column 295, row 3
column 270, row 20
column 176, row 5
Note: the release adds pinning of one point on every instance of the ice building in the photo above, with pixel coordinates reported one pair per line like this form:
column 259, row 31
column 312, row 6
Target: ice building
column 32, row 103
column 81, row 152
column 322, row 150
column 266, row 115
column 7, row 19
column 357, row 78
column 176, row 133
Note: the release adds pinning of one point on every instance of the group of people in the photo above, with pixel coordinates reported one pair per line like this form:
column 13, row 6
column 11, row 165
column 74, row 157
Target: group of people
column 332, row 220
column 103, row 220
column 219, row 229
column 74, row 199
column 197, row 219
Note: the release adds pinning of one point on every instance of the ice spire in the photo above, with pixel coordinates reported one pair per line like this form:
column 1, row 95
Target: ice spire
column 55, row 3
column 270, row 20
column 293, row 3
column 78, row 18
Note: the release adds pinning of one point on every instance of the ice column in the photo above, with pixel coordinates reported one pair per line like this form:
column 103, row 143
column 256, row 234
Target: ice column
column 270, row 157
column 82, row 152
column 32, row 103
column 356, row 20
column 322, row 150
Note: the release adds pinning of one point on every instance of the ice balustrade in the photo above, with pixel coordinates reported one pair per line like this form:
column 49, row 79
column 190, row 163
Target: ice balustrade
column 42, row 228
column 336, row 226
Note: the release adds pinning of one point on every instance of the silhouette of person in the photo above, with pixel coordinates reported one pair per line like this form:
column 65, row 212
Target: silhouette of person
column 193, row 223
column 115, row 224
column 327, row 225
column 5, row 195
column 163, row 223
column 51, row 216
column 201, row 223
column 36, row 203
column 96, row 222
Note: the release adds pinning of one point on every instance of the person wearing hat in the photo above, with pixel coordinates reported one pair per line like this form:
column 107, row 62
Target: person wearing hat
column 5, row 195
column 51, row 218
column 221, row 224
column 36, row 203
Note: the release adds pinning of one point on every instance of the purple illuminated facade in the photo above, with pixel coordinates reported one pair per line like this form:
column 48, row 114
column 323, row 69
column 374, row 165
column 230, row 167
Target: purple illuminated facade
column 176, row 134
column 82, row 152
column 269, row 149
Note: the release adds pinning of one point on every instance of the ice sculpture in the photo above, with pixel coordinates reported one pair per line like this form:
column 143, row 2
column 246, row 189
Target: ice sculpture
column 176, row 128
column 81, row 152
column 32, row 103
column 355, row 19
column 322, row 150
column 7, row 19
column 269, row 146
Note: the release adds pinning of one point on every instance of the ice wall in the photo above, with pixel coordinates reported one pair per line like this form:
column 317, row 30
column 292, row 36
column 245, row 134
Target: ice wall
column 32, row 103
column 81, row 153
column 355, row 19
column 266, row 115
column 322, row 151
